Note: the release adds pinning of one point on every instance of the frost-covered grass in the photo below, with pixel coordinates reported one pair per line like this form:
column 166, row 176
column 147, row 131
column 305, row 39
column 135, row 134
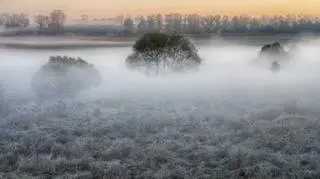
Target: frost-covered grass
column 160, row 137
column 226, row 121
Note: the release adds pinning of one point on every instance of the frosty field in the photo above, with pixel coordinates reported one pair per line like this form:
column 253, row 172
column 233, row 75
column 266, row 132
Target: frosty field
column 228, row 120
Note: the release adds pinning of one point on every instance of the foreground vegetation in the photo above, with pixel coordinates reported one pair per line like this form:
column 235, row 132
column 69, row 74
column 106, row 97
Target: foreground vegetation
column 134, row 136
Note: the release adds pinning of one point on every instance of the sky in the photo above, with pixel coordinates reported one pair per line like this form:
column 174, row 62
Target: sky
column 107, row 8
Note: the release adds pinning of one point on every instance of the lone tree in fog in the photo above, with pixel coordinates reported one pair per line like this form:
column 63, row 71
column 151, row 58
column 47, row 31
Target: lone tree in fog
column 62, row 76
column 163, row 52
column 57, row 19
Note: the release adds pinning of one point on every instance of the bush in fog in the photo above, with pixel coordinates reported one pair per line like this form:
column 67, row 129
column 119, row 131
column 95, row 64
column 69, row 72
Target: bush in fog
column 274, row 55
column 163, row 52
column 272, row 50
column 64, row 76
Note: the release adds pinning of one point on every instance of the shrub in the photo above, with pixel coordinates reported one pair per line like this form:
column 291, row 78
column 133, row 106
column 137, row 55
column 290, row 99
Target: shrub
column 62, row 76
column 273, row 50
column 163, row 52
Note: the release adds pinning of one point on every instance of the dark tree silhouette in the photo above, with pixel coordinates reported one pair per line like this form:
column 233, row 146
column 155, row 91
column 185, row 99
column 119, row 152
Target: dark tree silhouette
column 159, row 22
column 195, row 24
column 164, row 52
column 272, row 50
column 57, row 19
column 128, row 25
column 142, row 24
column 4, row 18
column 42, row 21
column 16, row 20
column 208, row 23
column 151, row 23
column 62, row 76
column 274, row 55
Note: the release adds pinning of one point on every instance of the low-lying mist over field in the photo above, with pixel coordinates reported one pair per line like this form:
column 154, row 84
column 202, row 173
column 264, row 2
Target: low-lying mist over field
column 230, row 119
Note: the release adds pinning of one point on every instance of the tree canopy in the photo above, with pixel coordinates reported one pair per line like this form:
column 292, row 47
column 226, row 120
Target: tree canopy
column 274, row 56
column 57, row 19
column 64, row 76
column 272, row 51
column 42, row 21
column 164, row 52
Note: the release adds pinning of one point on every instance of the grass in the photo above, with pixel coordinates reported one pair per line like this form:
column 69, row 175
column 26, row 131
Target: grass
column 162, row 138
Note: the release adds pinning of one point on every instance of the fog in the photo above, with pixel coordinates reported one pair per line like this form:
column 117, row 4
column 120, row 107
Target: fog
column 230, row 119
column 226, row 69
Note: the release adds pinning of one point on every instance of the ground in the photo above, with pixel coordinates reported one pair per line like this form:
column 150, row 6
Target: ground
column 160, row 137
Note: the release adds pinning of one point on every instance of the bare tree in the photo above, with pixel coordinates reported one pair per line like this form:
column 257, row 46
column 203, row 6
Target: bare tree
column 174, row 22
column 142, row 24
column 151, row 23
column 208, row 23
column 159, row 22
column 128, row 25
column 42, row 21
column 16, row 20
column 57, row 19
column 194, row 23
column 4, row 18
column 120, row 18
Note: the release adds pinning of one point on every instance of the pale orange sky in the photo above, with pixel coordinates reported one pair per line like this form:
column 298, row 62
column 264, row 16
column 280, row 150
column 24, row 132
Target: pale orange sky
column 104, row 8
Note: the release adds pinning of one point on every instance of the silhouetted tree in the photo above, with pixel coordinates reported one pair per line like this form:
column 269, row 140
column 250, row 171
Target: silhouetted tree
column 42, row 21
column 128, row 25
column 174, row 22
column 194, row 23
column 151, row 23
column 225, row 22
column 16, row 20
column 254, row 24
column 163, row 52
column 159, row 22
column 57, row 19
column 142, row 24
column 272, row 50
column 4, row 18
column 208, row 23
column 120, row 18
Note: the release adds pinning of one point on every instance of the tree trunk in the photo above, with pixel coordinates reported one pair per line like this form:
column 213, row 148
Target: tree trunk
column 158, row 67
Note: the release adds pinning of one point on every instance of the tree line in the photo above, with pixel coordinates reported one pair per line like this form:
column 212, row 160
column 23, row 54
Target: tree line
column 55, row 20
column 197, row 24
column 181, row 23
